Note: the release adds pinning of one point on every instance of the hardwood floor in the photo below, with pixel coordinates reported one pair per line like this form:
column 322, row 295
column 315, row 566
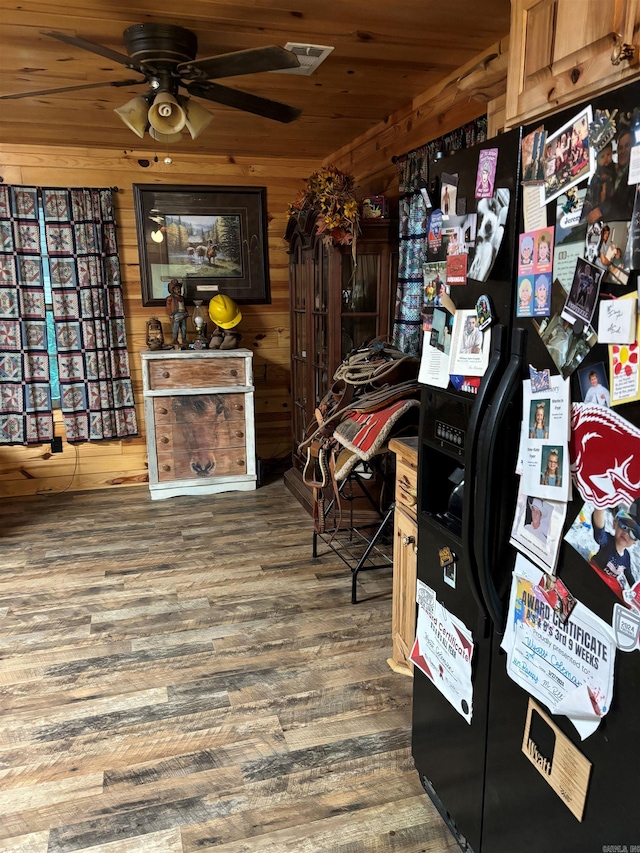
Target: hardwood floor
column 181, row 676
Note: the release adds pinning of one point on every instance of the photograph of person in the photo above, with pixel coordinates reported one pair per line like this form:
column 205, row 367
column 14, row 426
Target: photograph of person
column 537, row 518
column 582, row 298
column 543, row 254
column 542, row 304
column 537, row 529
column 612, row 196
column 434, row 276
column 567, row 349
column 600, row 190
column 551, row 467
column 612, row 559
column 440, row 337
column 607, row 539
column 525, row 294
column 611, row 254
column 568, row 156
column 594, row 385
column 471, row 336
column 526, row 251
column 539, row 419
column 533, row 155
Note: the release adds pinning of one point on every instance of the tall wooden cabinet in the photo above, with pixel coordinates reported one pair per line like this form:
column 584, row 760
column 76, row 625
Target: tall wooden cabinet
column 336, row 305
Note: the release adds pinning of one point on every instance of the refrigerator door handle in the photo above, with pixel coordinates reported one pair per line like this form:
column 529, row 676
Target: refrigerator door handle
column 487, row 475
column 469, row 516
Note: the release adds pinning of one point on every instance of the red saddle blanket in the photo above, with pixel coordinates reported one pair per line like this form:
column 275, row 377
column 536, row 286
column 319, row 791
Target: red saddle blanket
column 365, row 433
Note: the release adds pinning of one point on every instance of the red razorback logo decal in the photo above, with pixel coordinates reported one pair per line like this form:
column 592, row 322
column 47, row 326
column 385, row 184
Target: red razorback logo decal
column 605, row 456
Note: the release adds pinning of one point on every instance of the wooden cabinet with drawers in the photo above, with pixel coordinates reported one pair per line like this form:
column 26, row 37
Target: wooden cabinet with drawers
column 405, row 553
column 200, row 421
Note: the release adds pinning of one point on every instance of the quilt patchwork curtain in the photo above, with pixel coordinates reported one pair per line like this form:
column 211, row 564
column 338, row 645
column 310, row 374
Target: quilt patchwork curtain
column 25, row 394
column 96, row 394
column 412, row 169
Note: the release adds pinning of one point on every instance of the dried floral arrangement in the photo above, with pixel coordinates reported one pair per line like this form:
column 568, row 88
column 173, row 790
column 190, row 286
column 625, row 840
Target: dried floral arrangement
column 331, row 193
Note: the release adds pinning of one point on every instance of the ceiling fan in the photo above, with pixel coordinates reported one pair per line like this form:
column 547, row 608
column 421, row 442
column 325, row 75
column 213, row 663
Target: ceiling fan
column 166, row 57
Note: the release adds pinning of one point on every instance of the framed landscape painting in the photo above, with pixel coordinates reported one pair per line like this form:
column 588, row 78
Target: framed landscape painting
column 212, row 239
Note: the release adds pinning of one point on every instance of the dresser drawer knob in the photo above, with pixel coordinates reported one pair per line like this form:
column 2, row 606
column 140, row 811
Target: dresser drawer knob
column 238, row 407
column 233, row 372
column 162, row 410
column 164, row 439
column 165, row 374
column 239, row 433
column 240, row 461
column 166, row 467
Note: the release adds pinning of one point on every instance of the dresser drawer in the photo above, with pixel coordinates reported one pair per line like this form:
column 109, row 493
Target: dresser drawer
column 171, row 437
column 407, row 488
column 176, row 409
column 183, row 466
column 170, row 373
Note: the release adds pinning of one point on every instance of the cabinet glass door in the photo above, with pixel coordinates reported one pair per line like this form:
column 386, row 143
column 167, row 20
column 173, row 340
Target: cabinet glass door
column 359, row 291
column 299, row 361
column 320, row 321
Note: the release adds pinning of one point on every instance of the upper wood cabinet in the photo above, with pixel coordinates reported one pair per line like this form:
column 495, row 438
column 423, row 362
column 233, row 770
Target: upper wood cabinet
column 563, row 52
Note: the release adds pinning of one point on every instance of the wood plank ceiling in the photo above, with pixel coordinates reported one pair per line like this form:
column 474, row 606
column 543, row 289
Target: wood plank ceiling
column 386, row 52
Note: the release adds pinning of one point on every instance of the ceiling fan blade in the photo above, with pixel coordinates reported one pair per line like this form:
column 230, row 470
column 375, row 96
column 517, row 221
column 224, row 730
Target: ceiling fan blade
column 271, row 58
column 76, row 41
column 116, row 83
column 244, row 101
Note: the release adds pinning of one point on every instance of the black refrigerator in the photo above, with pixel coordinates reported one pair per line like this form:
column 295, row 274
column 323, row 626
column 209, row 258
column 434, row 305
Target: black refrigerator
column 488, row 791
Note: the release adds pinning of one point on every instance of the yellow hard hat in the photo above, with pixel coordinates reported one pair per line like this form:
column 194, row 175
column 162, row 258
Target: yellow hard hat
column 224, row 312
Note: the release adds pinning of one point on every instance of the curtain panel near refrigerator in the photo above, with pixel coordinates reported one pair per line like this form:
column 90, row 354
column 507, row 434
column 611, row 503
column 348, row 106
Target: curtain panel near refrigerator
column 413, row 171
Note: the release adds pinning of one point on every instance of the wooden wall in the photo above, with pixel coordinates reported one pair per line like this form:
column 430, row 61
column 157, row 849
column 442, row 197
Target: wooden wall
column 460, row 98
column 265, row 328
column 465, row 95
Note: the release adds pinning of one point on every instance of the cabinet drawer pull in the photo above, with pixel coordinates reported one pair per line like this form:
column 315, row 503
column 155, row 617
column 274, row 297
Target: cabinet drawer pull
column 408, row 540
column 164, row 439
column 233, row 372
column 165, row 374
column 162, row 410
column 238, row 407
column 239, row 461
column 239, row 433
column 166, row 467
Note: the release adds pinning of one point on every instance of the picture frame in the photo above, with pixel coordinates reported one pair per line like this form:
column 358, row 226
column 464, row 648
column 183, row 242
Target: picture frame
column 213, row 239
column 568, row 156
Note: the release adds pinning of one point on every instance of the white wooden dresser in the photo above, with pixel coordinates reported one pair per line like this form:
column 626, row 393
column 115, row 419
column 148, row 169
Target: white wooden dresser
column 199, row 415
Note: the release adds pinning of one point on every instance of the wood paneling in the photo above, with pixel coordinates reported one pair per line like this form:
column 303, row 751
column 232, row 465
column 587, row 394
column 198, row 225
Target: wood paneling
column 265, row 328
column 452, row 102
column 181, row 676
column 385, row 54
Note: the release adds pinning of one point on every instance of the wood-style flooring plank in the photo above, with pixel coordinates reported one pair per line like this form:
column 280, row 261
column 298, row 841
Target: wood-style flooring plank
column 181, row 676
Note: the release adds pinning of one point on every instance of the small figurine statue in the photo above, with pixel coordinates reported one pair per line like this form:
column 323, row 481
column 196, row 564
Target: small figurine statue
column 177, row 311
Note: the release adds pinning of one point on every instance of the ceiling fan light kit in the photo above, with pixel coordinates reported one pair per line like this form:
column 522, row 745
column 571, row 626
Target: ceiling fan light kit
column 134, row 114
column 166, row 115
column 165, row 56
